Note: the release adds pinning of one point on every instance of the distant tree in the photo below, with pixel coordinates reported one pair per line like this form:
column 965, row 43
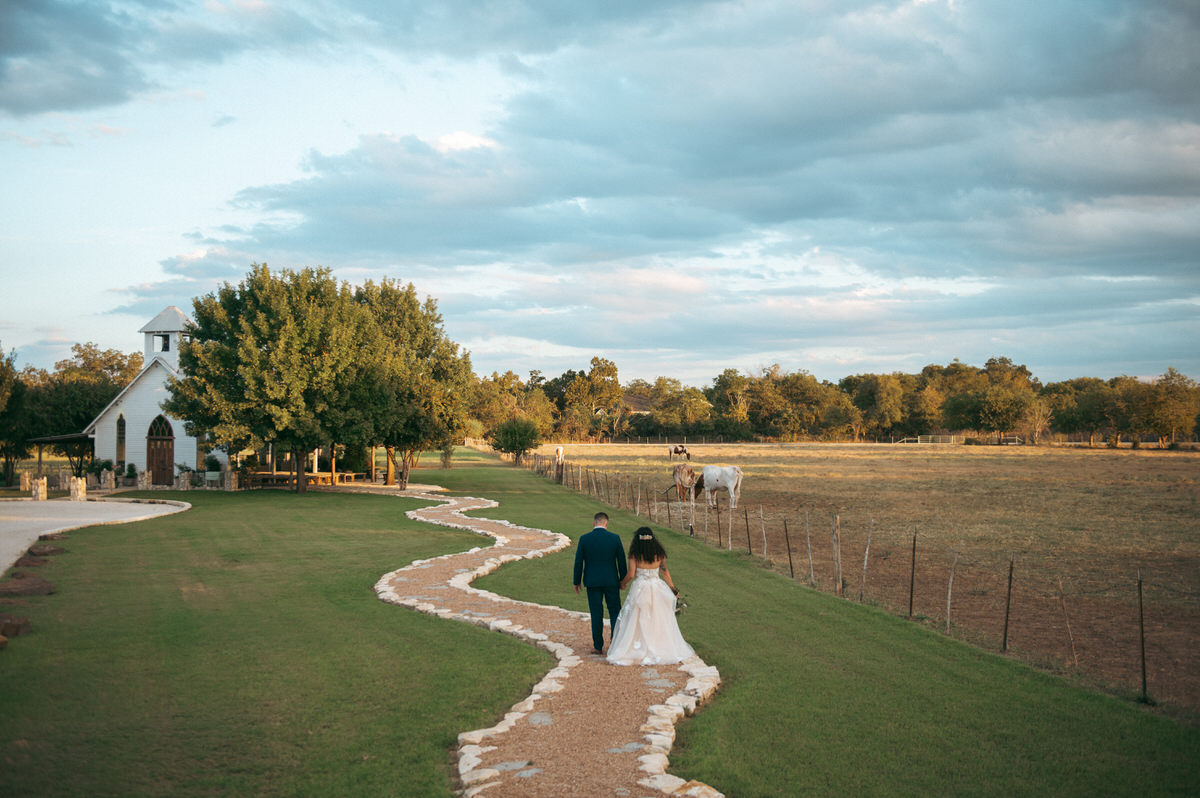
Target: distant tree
column 14, row 417
column 538, row 408
column 8, row 376
column 66, row 400
column 880, row 398
column 15, row 430
column 600, row 393
column 278, row 358
column 1002, row 371
column 1035, row 421
column 1174, row 402
column 1001, row 408
column 516, row 436
column 556, row 389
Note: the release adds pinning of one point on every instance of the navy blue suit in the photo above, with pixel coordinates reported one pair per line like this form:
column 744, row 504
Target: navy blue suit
column 600, row 566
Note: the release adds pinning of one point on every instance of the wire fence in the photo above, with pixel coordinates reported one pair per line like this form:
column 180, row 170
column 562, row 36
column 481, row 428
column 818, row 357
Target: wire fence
column 1138, row 635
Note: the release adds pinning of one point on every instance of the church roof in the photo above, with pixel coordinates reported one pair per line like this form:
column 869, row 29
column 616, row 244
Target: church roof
column 172, row 319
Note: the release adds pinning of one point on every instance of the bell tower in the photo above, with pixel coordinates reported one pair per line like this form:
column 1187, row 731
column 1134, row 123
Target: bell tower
column 163, row 334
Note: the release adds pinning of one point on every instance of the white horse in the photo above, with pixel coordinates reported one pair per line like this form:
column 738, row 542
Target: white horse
column 559, row 455
column 717, row 477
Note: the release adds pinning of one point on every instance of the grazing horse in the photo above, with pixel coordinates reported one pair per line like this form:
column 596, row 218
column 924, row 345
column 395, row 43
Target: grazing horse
column 678, row 449
column 717, row 477
column 558, row 456
column 685, row 478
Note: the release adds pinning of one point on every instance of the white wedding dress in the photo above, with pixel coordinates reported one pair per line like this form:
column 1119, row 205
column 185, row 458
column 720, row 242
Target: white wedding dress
column 647, row 633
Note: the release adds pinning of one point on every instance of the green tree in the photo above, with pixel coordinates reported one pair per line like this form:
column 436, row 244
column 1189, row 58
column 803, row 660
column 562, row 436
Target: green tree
column 417, row 386
column 65, row 401
column 277, row 359
column 516, row 436
column 14, row 417
column 1001, row 408
column 880, row 397
column 1173, row 405
column 600, row 393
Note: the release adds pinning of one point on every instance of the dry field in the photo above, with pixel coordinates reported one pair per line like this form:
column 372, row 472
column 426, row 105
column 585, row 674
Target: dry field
column 1086, row 519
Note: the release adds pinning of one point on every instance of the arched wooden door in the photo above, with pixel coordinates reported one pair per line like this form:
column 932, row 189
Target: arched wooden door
column 160, row 452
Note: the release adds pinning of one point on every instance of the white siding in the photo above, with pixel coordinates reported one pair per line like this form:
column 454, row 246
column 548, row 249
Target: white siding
column 140, row 404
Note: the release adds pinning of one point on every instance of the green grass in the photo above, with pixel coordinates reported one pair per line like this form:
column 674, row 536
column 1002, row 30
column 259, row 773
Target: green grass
column 239, row 649
column 822, row 696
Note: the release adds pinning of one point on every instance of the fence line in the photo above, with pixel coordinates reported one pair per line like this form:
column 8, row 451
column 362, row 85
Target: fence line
column 1002, row 601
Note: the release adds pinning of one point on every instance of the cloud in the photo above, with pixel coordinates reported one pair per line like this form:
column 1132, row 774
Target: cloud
column 841, row 184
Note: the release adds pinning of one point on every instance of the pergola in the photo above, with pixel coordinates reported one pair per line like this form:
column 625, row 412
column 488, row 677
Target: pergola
column 57, row 440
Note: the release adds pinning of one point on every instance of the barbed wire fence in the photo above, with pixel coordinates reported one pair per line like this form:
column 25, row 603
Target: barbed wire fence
column 1138, row 635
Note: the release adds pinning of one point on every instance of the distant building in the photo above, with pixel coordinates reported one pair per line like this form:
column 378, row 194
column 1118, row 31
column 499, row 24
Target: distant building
column 134, row 428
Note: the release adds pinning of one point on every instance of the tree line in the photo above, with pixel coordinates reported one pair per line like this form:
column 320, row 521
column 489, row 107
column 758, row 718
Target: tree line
column 298, row 360
column 989, row 403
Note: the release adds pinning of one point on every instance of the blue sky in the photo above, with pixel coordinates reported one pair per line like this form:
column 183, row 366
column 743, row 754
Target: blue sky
column 681, row 187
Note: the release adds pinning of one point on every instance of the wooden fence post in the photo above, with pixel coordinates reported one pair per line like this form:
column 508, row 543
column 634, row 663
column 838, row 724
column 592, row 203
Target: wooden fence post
column 1007, row 603
column 1142, row 637
column 837, row 555
column 1062, row 600
column 862, row 585
column 788, row 542
column 812, row 580
column 912, row 577
column 763, row 526
column 950, row 585
column 746, row 516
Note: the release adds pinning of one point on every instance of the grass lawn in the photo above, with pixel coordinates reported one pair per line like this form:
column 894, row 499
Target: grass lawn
column 822, row 696
column 238, row 649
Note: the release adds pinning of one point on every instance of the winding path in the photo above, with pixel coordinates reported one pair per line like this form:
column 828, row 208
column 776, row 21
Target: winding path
column 588, row 728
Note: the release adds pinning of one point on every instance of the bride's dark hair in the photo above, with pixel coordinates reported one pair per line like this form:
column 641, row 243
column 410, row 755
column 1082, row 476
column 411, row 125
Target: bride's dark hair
column 645, row 547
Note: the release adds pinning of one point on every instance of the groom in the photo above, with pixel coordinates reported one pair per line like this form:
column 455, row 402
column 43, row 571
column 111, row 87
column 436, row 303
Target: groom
column 600, row 565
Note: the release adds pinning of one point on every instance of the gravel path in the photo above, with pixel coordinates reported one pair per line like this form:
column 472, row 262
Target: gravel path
column 588, row 728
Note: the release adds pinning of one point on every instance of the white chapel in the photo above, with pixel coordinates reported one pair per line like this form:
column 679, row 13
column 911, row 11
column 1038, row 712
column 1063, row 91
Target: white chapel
column 134, row 428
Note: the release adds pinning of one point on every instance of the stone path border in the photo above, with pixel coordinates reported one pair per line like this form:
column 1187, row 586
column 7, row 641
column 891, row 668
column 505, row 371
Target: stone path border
column 588, row 728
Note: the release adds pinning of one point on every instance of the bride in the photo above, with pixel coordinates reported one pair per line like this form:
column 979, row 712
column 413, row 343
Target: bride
column 647, row 633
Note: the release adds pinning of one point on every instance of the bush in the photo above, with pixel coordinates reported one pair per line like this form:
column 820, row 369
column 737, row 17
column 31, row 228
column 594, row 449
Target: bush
column 212, row 463
column 98, row 466
column 516, row 436
column 130, row 471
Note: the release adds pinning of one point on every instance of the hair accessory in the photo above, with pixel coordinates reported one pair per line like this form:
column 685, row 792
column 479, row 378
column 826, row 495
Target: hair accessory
column 645, row 537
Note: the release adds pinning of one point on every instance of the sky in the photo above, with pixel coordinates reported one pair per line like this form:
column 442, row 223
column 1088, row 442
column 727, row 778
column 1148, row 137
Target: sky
column 678, row 186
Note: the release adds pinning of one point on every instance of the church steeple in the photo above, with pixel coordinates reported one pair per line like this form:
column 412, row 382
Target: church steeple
column 163, row 333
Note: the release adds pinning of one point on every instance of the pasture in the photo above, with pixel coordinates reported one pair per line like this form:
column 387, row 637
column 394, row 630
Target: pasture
column 1078, row 525
column 239, row 648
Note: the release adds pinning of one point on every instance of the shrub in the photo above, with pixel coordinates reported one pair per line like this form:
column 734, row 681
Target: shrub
column 212, row 463
column 516, row 436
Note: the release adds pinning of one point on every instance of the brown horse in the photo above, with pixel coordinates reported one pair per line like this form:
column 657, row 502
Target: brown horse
column 678, row 449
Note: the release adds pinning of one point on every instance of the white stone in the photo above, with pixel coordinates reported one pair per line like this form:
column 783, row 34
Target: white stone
column 483, row 774
column 663, row 782
column 653, row 763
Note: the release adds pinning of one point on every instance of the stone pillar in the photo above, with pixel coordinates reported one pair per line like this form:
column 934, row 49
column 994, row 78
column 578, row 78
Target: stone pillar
column 230, row 479
column 64, row 479
column 108, row 480
column 143, row 480
column 78, row 489
column 26, row 482
column 183, row 481
column 39, row 489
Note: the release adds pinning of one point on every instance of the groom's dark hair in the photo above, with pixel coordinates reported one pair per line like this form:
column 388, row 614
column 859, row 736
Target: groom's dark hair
column 598, row 517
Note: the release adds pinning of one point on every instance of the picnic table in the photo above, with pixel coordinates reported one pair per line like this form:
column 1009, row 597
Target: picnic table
column 276, row 478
